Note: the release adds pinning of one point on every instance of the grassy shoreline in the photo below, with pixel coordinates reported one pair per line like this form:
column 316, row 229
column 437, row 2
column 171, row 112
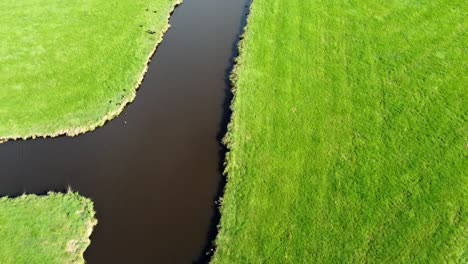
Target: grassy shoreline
column 89, row 99
column 348, row 136
column 45, row 229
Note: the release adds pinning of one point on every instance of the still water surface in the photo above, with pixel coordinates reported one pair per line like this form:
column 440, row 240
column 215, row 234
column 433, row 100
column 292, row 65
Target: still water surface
column 153, row 172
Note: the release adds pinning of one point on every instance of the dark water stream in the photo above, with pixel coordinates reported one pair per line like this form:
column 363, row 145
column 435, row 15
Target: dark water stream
column 154, row 171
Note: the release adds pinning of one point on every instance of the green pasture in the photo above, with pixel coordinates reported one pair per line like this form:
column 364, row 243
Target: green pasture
column 45, row 229
column 348, row 142
column 66, row 67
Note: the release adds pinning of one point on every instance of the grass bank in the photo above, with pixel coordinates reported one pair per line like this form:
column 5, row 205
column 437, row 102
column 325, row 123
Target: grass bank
column 348, row 140
column 45, row 229
column 66, row 67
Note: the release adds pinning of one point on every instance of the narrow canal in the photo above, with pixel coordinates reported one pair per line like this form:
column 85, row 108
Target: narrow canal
column 154, row 171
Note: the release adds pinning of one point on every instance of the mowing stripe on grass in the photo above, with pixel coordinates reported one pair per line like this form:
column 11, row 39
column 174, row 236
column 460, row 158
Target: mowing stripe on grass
column 348, row 140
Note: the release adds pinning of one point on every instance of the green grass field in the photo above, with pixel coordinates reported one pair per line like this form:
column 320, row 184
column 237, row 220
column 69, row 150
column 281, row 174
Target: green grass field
column 348, row 142
column 45, row 229
column 68, row 66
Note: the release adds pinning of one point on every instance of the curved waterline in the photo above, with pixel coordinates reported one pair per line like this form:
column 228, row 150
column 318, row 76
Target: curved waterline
column 154, row 171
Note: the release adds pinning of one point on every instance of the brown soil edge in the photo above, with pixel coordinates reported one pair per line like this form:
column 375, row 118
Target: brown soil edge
column 75, row 131
column 86, row 238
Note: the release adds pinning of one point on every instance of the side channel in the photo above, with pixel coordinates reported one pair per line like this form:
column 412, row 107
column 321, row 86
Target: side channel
column 153, row 172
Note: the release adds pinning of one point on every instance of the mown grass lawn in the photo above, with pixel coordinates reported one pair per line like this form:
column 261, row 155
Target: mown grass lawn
column 68, row 66
column 45, row 229
column 348, row 142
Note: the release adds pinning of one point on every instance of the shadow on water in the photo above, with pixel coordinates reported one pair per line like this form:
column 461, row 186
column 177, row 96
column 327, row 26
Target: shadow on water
column 210, row 245
column 154, row 171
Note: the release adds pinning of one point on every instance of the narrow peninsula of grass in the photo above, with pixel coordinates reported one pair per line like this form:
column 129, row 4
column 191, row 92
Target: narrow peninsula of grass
column 66, row 67
column 45, row 229
column 348, row 142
